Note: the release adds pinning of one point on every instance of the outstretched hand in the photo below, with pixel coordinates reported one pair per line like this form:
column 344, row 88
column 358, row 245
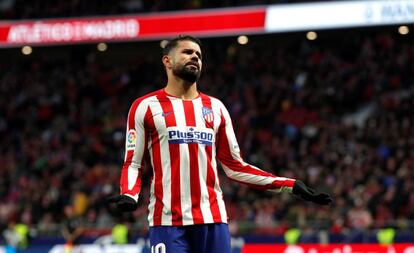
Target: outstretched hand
column 309, row 194
column 124, row 203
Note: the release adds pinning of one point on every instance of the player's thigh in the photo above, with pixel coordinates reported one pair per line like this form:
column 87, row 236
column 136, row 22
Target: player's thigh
column 210, row 238
column 219, row 239
column 166, row 239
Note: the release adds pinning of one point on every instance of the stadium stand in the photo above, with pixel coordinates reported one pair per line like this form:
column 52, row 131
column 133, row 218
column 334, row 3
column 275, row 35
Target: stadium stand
column 335, row 112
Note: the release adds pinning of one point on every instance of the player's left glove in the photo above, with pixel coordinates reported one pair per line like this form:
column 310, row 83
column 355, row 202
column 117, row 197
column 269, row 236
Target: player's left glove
column 309, row 194
column 124, row 203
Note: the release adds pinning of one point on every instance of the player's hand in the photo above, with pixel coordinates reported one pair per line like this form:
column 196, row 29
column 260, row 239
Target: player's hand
column 309, row 194
column 124, row 203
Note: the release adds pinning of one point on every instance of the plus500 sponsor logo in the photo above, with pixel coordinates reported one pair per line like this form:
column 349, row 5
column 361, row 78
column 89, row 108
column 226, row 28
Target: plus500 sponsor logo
column 190, row 135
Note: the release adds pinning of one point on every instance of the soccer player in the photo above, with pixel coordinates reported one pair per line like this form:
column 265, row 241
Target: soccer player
column 185, row 132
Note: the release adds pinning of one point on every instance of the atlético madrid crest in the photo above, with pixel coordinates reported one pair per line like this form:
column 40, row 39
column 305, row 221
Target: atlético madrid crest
column 208, row 114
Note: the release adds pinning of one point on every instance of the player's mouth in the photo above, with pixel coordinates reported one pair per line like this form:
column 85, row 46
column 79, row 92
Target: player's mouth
column 194, row 64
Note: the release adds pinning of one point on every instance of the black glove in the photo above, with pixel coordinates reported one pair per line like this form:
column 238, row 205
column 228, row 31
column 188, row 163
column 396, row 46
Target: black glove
column 124, row 203
column 309, row 194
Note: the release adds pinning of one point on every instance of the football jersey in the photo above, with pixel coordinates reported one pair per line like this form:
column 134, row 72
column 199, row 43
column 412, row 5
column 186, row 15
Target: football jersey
column 184, row 140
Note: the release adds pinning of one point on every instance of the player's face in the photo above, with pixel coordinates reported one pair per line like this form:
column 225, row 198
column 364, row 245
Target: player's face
column 186, row 61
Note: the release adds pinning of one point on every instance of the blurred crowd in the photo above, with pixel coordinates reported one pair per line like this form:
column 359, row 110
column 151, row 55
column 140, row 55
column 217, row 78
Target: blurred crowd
column 335, row 113
column 20, row 9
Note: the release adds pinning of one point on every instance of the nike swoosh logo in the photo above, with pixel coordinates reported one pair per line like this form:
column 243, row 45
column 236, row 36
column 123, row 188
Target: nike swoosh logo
column 165, row 114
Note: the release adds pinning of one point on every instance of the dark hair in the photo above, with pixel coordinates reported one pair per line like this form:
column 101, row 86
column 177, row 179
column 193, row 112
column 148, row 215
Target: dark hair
column 174, row 42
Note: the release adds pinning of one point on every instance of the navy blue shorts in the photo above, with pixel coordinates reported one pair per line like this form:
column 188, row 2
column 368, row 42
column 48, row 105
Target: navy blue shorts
column 206, row 238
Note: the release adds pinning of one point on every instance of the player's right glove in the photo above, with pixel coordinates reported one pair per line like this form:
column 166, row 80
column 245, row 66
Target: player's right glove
column 309, row 194
column 124, row 203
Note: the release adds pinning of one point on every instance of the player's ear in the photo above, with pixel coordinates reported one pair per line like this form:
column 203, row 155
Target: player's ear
column 166, row 60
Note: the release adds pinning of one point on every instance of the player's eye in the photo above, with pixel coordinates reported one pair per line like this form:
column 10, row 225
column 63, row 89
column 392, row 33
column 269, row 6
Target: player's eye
column 190, row 52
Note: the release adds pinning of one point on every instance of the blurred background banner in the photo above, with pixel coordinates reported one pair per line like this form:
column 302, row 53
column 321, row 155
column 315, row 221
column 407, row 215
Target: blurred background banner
column 338, row 14
column 247, row 248
column 213, row 22
column 332, row 248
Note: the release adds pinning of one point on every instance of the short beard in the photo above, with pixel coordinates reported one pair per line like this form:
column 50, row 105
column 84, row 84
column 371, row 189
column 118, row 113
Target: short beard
column 188, row 75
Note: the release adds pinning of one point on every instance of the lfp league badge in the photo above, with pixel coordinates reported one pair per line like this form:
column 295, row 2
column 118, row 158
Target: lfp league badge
column 131, row 139
column 208, row 114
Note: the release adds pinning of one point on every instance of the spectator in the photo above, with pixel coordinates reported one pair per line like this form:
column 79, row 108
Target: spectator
column 72, row 230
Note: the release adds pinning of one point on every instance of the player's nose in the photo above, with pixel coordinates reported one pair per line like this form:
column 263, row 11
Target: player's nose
column 194, row 57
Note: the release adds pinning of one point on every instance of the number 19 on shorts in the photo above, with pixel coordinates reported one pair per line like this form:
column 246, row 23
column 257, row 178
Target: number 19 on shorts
column 159, row 248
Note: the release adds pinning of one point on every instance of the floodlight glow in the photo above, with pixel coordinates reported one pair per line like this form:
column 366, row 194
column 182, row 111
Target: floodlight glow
column 102, row 47
column 243, row 40
column 311, row 35
column 27, row 50
column 403, row 30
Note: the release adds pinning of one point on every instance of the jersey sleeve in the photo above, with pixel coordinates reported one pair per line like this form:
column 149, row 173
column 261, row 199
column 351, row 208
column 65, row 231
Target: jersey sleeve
column 228, row 154
column 136, row 142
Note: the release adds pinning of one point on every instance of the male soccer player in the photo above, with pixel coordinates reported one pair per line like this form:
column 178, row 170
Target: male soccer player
column 185, row 132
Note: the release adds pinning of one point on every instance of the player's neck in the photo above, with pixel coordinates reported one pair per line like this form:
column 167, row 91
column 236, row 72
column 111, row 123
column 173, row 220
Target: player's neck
column 181, row 89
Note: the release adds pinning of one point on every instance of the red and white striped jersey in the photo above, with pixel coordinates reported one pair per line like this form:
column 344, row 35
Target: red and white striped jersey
column 184, row 139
